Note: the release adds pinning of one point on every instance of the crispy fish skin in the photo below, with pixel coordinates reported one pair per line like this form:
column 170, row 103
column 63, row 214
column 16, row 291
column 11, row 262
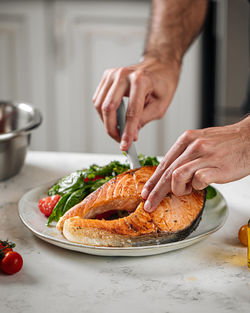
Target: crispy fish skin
column 174, row 219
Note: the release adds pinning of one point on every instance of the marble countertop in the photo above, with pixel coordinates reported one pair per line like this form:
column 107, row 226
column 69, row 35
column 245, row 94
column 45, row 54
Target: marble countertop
column 210, row 276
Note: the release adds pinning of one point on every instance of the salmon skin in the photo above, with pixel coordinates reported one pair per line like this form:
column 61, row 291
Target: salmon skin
column 174, row 218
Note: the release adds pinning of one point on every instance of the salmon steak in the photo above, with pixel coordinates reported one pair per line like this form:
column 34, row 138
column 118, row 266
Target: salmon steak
column 174, row 218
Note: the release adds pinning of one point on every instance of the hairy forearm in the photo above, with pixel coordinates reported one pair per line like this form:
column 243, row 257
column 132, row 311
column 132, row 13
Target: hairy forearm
column 174, row 25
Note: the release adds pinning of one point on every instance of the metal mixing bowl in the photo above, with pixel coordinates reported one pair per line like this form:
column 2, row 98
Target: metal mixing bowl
column 17, row 120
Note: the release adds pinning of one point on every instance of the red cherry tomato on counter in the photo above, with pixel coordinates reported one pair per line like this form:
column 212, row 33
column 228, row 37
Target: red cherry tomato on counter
column 5, row 247
column 5, row 250
column 47, row 204
column 93, row 179
column 12, row 263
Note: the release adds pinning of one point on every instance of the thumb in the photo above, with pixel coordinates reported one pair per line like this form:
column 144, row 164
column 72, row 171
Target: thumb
column 205, row 176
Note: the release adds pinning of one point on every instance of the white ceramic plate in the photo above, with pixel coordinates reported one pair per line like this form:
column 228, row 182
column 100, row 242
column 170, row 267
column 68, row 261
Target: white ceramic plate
column 213, row 218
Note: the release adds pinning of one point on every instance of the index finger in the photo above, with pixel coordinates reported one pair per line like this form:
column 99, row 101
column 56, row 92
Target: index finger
column 139, row 90
column 110, row 105
column 175, row 151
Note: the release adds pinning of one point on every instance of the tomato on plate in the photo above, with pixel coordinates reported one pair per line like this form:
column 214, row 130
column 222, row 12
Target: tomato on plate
column 12, row 263
column 242, row 235
column 93, row 179
column 47, row 204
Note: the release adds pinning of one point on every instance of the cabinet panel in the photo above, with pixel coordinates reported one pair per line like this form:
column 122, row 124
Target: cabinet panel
column 22, row 58
column 12, row 61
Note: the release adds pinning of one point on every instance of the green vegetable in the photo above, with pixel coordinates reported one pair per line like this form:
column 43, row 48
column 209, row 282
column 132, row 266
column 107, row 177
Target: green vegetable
column 68, row 183
column 98, row 183
column 112, row 169
column 79, row 184
column 58, row 209
column 211, row 192
column 147, row 160
column 74, row 198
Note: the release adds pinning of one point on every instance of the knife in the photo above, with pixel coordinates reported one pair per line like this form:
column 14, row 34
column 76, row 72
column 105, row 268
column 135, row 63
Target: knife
column 131, row 152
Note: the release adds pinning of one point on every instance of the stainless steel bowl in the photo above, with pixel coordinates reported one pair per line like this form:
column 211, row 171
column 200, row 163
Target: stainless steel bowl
column 17, row 120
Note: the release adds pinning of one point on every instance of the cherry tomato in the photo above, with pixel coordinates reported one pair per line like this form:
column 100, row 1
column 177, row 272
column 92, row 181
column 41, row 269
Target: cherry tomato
column 47, row 204
column 4, row 248
column 12, row 263
column 93, row 179
column 1, row 245
column 242, row 235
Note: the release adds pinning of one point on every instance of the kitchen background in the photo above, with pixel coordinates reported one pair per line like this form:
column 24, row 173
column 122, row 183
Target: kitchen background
column 53, row 54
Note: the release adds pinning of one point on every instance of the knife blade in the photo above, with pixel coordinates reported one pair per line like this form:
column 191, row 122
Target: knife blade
column 131, row 152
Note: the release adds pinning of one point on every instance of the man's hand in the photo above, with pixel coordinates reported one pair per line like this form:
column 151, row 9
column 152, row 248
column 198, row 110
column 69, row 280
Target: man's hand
column 150, row 86
column 199, row 158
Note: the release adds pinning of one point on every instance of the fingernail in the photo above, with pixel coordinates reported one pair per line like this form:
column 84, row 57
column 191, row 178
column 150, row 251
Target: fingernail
column 147, row 206
column 123, row 144
column 144, row 193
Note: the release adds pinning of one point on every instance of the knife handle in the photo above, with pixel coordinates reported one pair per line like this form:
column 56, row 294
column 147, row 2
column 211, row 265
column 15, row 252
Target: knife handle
column 121, row 117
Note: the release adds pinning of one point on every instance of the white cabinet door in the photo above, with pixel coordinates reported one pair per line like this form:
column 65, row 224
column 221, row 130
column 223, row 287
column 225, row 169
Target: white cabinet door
column 22, row 58
column 91, row 37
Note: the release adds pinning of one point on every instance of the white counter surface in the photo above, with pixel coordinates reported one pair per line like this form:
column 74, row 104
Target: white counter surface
column 210, row 276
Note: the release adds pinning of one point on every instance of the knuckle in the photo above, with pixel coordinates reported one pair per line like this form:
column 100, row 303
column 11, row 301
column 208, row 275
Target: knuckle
column 187, row 136
column 162, row 167
column 105, row 74
column 97, row 106
column 108, row 71
column 132, row 114
column 199, row 145
column 121, row 72
column 177, row 175
column 166, row 176
column 108, row 107
column 154, row 195
column 126, row 136
column 109, row 74
column 200, row 178
column 139, row 76
column 149, row 185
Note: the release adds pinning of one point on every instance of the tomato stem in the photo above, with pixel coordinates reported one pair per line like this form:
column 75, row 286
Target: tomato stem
column 6, row 245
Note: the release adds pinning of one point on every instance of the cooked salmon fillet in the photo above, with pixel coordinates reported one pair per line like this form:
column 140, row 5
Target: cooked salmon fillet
column 174, row 218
